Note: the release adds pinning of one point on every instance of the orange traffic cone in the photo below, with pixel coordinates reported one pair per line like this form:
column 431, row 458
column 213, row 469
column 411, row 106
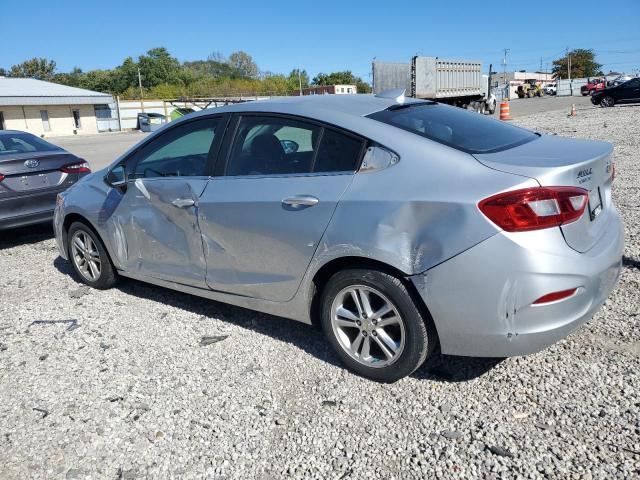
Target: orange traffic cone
column 573, row 111
column 504, row 111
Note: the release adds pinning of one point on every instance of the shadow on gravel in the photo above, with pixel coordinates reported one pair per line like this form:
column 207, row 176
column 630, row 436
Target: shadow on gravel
column 25, row 235
column 439, row 368
column 630, row 262
column 448, row 368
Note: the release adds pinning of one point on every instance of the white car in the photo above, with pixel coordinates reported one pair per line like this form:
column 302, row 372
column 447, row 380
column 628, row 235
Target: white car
column 550, row 89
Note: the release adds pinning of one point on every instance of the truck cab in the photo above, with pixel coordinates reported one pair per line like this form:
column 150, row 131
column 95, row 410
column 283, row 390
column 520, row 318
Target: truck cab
column 593, row 85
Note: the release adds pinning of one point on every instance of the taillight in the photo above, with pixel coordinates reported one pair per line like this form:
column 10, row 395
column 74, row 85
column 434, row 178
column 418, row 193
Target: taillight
column 1, row 177
column 555, row 296
column 535, row 208
column 76, row 168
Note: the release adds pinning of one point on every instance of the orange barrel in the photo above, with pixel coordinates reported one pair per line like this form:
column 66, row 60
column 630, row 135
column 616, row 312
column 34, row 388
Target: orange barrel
column 504, row 111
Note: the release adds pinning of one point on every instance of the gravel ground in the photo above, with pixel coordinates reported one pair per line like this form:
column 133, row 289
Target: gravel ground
column 120, row 383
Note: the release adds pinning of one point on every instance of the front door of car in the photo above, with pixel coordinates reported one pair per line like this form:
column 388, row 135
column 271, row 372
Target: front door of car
column 155, row 226
column 263, row 217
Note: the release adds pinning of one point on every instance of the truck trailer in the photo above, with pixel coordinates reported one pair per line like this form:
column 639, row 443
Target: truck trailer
column 455, row 82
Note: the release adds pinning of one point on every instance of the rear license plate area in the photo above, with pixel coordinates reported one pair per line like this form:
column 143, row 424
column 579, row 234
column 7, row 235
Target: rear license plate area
column 595, row 203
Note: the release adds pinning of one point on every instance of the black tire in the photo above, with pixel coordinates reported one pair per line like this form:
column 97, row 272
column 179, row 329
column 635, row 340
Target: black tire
column 420, row 337
column 107, row 276
column 607, row 101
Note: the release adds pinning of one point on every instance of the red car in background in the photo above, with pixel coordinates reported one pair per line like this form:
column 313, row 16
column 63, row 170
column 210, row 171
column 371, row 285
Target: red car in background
column 594, row 85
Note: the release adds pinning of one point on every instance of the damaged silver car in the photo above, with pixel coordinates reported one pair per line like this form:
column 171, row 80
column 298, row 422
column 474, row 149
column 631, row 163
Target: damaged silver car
column 395, row 224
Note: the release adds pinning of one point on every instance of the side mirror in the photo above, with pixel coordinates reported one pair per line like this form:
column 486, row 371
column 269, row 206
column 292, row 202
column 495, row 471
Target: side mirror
column 116, row 177
column 289, row 146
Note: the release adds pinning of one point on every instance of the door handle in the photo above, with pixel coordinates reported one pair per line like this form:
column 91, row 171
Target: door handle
column 183, row 202
column 301, row 201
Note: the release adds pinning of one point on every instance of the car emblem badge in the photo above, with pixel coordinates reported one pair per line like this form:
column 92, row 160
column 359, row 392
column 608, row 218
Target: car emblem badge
column 31, row 163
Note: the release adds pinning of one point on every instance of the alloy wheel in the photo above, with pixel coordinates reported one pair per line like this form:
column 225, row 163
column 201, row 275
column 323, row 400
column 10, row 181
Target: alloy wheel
column 368, row 326
column 86, row 256
column 607, row 102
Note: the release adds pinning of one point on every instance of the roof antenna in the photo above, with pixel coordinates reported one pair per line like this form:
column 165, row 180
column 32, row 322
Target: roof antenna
column 397, row 94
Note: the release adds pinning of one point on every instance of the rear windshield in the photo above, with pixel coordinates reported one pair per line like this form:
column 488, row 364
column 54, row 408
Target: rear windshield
column 16, row 143
column 455, row 127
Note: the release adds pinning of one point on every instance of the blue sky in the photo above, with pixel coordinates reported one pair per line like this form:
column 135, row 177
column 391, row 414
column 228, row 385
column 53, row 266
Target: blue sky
column 320, row 35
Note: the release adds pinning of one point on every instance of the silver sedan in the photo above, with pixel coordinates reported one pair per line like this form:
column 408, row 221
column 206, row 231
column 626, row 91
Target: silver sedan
column 396, row 225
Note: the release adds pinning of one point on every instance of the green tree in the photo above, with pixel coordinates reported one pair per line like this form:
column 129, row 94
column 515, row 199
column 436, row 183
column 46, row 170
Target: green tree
column 74, row 78
column 125, row 76
column 244, row 64
column 294, row 82
column 583, row 64
column 211, row 68
column 158, row 66
column 40, row 68
column 342, row 78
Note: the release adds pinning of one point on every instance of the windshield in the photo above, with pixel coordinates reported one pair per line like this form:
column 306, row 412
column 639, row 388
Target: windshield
column 12, row 143
column 455, row 127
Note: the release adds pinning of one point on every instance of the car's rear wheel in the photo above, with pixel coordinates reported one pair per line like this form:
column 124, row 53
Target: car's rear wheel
column 607, row 101
column 89, row 257
column 374, row 325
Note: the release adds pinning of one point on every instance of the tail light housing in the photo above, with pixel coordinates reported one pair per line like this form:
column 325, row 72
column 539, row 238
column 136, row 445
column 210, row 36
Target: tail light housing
column 76, row 168
column 535, row 208
column 1, row 177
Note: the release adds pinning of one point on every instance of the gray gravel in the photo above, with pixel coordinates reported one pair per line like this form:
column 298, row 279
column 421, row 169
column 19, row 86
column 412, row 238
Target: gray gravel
column 141, row 382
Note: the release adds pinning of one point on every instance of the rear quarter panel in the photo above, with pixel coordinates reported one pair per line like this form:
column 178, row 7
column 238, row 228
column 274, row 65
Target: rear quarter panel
column 417, row 213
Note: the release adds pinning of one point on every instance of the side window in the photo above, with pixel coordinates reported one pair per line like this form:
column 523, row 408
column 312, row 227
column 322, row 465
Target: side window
column 337, row 153
column 179, row 152
column 272, row 145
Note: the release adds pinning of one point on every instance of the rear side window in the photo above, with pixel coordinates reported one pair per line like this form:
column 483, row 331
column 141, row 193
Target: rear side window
column 337, row 153
column 455, row 127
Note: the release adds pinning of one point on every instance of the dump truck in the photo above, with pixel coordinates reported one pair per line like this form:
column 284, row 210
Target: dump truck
column 456, row 82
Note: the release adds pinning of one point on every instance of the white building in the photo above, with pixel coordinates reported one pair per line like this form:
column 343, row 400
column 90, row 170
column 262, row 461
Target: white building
column 48, row 109
column 516, row 79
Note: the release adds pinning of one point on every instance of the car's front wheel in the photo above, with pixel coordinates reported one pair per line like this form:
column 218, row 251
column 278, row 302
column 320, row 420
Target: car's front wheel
column 374, row 325
column 89, row 257
column 607, row 101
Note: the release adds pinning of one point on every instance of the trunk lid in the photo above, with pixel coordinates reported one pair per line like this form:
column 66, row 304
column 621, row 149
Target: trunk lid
column 34, row 171
column 557, row 161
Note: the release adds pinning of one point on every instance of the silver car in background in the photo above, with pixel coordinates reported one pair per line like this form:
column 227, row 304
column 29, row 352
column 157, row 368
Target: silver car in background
column 32, row 173
column 395, row 224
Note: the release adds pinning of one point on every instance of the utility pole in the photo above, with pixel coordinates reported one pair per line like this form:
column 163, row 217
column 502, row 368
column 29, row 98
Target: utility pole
column 504, row 72
column 299, row 81
column 141, row 91
column 140, row 83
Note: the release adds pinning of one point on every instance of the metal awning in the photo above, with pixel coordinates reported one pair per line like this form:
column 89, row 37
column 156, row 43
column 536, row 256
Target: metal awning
column 29, row 91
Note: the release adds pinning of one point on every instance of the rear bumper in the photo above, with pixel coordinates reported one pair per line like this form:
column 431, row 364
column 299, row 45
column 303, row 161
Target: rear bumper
column 481, row 300
column 28, row 209
column 25, row 220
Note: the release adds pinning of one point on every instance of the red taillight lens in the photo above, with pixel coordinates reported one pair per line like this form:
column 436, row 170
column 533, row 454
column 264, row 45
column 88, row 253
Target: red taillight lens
column 535, row 208
column 1, row 177
column 555, row 296
column 76, row 168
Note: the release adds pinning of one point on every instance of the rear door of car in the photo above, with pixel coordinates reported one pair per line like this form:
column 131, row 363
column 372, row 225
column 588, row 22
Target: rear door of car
column 154, row 226
column 262, row 216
